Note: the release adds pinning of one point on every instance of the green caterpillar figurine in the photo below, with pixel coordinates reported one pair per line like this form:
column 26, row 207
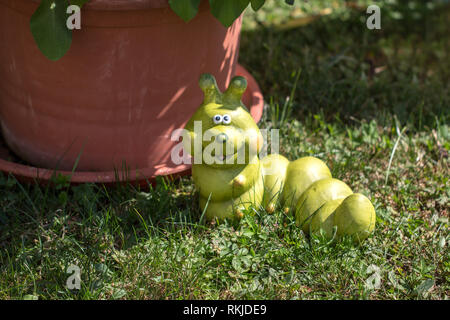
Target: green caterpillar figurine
column 224, row 141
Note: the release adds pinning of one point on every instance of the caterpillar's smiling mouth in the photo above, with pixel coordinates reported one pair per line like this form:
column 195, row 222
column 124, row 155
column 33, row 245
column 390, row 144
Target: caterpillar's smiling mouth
column 223, row 159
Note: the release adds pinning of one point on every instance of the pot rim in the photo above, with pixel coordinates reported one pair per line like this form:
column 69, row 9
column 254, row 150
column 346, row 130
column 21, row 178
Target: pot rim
column 126, row 5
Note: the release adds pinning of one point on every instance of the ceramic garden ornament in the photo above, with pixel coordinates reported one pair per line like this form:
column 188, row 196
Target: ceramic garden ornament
column 224, row 141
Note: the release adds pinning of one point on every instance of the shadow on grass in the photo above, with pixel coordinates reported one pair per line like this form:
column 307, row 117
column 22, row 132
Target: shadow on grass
column 45, row 229
column 75, row 213
column 352, row 72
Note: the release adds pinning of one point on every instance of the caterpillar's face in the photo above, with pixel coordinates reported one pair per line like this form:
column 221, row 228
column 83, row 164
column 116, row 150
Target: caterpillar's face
column 225, row 132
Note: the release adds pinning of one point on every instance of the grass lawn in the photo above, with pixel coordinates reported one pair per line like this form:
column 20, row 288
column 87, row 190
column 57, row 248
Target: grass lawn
column 373, row 104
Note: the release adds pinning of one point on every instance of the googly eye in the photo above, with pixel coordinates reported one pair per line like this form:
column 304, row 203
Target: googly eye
column 226, row 119
column 217, row 119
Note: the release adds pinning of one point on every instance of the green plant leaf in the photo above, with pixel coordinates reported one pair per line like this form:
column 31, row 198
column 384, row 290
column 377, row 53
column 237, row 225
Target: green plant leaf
column 228, row 11
column 257, row 4
column 79, row 3
column 424, row 287
column 186, row 9
column 49, row 30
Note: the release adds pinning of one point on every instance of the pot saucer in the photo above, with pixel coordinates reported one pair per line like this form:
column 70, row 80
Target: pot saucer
column 9, row 163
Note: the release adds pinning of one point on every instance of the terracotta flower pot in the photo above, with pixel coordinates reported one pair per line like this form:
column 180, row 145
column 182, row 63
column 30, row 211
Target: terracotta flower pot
column 129, row 79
